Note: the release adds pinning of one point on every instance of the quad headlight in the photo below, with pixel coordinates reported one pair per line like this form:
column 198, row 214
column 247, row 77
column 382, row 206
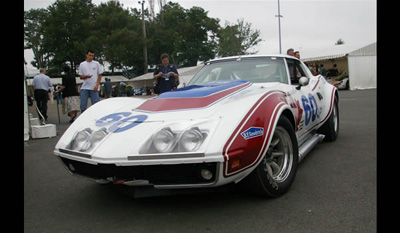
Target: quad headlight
column 169, row 140
column 164, row 140
column 86, row 139
column 191, row 139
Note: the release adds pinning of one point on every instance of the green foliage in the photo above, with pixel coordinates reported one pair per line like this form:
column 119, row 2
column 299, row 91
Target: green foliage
column 64, row 31
column 237, row 39
column 33, row 34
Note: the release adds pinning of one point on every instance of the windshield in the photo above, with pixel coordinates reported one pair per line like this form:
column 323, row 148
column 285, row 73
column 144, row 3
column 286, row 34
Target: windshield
column 256, row 70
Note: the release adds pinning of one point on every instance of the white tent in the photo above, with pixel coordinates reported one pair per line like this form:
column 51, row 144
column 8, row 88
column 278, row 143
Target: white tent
column 362, row 67
column 359, row 61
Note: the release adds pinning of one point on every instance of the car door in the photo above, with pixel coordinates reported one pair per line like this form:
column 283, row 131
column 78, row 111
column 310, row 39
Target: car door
column 307, row 101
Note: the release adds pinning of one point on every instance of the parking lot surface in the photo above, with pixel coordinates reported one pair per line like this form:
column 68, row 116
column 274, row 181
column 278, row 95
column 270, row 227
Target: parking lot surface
column 335, row 190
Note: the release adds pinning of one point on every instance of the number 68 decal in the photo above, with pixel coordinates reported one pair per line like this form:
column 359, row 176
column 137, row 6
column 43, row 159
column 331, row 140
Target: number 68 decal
column 114, row 120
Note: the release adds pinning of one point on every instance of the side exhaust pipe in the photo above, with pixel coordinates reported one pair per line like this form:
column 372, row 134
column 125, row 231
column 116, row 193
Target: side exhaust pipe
column 309, row 144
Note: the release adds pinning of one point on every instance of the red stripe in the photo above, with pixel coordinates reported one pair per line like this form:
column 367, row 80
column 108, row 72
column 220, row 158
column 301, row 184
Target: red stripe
column 316, row 83
column 157, row 105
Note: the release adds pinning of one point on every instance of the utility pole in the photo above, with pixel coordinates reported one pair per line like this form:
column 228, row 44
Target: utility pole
column 279, row 22
column 144, row 38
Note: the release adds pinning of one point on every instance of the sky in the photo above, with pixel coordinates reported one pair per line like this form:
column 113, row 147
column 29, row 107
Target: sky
column 305, row 23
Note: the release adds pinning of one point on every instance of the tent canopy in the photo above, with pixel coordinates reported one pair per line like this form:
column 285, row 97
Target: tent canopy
column 329, row 52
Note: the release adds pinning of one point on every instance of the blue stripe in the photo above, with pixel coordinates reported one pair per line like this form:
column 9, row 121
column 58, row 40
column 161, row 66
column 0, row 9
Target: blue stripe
column 194, row 91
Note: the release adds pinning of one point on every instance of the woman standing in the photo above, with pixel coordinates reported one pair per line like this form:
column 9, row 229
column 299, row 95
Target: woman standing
column 71, row 104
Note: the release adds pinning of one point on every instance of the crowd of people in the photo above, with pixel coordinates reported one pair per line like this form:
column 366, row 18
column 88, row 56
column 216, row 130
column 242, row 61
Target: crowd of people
column 90, row 71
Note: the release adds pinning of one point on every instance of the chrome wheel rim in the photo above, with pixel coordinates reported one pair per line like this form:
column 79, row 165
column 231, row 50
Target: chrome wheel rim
column 278, row 160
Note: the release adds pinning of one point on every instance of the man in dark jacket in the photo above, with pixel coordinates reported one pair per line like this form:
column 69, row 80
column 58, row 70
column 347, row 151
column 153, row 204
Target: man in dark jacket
column 165, row 74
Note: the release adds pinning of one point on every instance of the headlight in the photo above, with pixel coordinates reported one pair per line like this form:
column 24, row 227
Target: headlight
column 177, row 137
column 169, row 141
column 85, row 139
column 164, row 141
column 79, row 139
column 191, row 139
column 95, row 137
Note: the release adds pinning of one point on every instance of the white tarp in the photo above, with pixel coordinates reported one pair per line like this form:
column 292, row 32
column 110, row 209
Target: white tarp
column 362, row 67
column 362, row 72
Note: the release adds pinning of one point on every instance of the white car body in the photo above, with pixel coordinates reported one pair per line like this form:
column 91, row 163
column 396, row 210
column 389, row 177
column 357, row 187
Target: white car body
column 236, row 119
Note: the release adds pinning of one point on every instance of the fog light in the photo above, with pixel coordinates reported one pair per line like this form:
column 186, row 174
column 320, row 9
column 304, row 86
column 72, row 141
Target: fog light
column 206, row 174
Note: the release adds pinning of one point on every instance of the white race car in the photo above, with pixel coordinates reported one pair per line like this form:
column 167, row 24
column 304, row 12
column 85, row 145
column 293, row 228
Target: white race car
column 245, row 120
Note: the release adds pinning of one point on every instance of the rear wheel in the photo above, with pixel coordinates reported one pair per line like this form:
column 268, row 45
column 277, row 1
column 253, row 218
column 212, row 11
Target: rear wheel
column 275, row 173
column 331, row 127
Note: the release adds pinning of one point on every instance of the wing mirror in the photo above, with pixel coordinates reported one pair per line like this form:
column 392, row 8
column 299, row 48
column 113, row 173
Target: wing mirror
column 303, row 81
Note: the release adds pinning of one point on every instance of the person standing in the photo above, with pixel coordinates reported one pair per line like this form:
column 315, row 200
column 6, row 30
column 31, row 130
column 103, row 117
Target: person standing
column 90, row 71
column 290, row 52
column 165, row 74
column 107, row 88
column 71, row 103
column 41, row 84
column 58, row 94
column 297, row 55
column 323, row 71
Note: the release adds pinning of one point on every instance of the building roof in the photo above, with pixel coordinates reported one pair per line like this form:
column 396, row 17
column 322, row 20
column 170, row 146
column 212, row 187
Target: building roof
column 369, row 50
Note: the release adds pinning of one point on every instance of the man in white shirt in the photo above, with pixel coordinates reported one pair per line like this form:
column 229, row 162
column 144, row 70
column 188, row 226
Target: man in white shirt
column 90, row 71
column 41, row 84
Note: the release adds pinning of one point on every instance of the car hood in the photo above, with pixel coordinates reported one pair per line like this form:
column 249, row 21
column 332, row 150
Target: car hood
column 131, row 122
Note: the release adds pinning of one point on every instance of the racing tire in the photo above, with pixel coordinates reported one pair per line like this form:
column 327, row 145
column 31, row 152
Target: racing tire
column 276, row 172
column 331, row 127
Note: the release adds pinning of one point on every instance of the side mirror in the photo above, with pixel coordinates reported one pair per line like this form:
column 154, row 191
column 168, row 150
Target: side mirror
column 303, row 81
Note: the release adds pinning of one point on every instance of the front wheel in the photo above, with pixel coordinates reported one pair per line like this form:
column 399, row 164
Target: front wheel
column 275, row 173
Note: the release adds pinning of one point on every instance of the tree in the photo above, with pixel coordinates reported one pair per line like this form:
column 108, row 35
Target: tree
column 196, row 39
column 119, row 35
column 67, row 33
column 64, row 31
column 237, row 39
column 186, row 35
column 33, row 35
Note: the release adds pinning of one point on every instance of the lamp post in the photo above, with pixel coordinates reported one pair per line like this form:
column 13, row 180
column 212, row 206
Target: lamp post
column 144, row 38
column 279, row 22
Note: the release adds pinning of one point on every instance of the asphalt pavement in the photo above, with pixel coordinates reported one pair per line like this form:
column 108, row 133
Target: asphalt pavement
column 335, row 190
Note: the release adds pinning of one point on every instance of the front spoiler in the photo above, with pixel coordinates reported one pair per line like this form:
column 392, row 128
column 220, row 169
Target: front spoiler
column 161, row 176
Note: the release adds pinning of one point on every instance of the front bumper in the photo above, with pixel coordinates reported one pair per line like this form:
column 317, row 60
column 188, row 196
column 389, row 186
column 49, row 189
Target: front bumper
column 159, row 176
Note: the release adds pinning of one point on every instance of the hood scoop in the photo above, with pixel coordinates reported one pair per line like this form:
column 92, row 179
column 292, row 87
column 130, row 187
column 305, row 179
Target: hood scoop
column 193, row 97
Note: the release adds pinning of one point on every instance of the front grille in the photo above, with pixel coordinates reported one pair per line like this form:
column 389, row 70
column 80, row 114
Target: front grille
column 155, row 174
